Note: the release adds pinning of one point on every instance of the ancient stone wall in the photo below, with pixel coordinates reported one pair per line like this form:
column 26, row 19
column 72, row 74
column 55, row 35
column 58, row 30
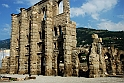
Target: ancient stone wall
column 43, row 42
column 94, row 58
column 40, row 35
column 5, row 65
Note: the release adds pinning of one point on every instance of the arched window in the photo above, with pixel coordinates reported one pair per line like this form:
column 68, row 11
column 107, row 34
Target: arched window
column 40, row 35
column 82, row 57
column 60, row 5
column 44, row 14
column 60, row 30
column 122, row 57
column 55, row 31
column 43, row 34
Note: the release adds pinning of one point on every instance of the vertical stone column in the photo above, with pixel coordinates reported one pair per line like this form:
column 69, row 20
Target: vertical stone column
column 114, row 60
column 119, row 65
column 55, row 8
column 73, row 34
column 97, row 66
column 13, row 45
column 48, row 40
column 22, row 41
column 66, row 9
column 102, row 65
column 33, row 43
column 55, row 67
column 5, row 65
column 67, row 50
column 94, row 58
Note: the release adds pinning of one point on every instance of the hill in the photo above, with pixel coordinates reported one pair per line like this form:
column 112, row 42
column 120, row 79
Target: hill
column 115, row 38
column 5, row 43
column 110, row 38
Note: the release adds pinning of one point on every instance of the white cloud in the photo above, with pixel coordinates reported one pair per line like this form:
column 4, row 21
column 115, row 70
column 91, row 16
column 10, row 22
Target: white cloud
column 18, row 10
column 109, row 25
column 85, row 26
column 5, row 5
column 121, row 16
column 95, row 16
column 6, row 28
column 103, row 20
column 79, row 25
column 74, row 0
column 31, row 2
column 88, row 26
column 28, row 2
column 93, row 8
column 19, row 2
column 5, row 31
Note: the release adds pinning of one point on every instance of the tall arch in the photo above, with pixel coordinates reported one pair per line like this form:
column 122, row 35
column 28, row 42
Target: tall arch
column 83, row 67
column 44, row 14
column 55, row 31
column 60, row 7
column 60, row 30
column 122, row 61
column 108, row 62
column 80, row 62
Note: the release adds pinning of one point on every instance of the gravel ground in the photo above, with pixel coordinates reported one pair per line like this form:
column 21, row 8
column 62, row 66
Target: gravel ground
column 57, row 79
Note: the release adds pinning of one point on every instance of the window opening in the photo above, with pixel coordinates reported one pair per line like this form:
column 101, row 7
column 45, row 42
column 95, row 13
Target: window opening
column 60, row 30
column 60, row 6
column 40, row 35
column 44, row 14
column 55, row 31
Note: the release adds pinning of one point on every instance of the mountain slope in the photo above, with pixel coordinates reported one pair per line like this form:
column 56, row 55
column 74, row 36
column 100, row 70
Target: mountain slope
column 5, row 43
column 115, row 38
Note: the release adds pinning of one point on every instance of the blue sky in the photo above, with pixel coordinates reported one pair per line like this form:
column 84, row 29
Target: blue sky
column 97, row 14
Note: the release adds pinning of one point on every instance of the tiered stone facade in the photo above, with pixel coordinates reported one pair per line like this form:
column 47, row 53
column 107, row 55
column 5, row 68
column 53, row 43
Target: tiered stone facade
column 40, row 37
column 43, row 42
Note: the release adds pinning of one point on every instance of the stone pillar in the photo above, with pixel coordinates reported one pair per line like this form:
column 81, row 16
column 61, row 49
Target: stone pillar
column 33, row 42
column 22, row 40
column 102, row 64
column 119, row 65
column 55, row 8
column 114, row 60
column 55, row 64
column 75, row 63
column 67, row 50
column 14, row 32
column 48, row 40
column 94, row 58
column 73, row 34
column 66, row 9
column 5, row 65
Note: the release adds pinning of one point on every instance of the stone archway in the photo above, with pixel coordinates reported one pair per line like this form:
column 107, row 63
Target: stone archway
column 108, row 62
column 122, row 62
column 80, row 62
column 83, row 65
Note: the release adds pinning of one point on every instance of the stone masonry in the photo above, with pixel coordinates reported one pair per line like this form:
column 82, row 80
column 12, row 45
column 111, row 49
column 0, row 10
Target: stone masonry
column 43, row 42
column 40, row 37
column 96, row 60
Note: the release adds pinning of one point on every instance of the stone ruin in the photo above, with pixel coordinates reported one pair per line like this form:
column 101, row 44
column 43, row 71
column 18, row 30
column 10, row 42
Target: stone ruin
column 96, row 59
column 99, row 61
column 43, row 42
